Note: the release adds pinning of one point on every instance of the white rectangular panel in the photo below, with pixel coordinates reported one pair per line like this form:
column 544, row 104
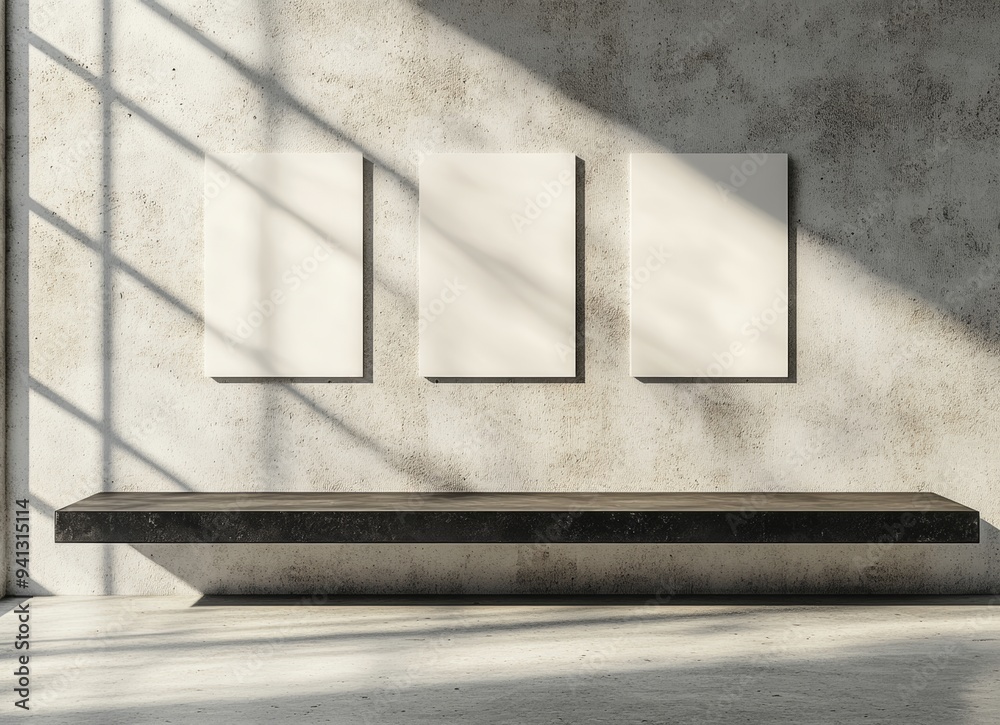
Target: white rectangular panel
column 283, row 265
column 709, row 272
column 498, row 265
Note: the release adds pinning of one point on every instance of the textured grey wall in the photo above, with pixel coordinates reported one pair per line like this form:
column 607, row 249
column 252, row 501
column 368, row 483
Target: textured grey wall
column 3, row 342
column 889, row 112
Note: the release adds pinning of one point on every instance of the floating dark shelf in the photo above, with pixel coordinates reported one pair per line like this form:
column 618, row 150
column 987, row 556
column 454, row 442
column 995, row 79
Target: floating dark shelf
column 517, row 518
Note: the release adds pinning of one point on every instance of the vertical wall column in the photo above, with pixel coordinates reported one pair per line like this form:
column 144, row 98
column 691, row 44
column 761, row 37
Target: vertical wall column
column 3, row 305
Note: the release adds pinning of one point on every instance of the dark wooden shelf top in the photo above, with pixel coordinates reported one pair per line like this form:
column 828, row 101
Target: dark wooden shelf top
column 516, row 518
column 515, row 501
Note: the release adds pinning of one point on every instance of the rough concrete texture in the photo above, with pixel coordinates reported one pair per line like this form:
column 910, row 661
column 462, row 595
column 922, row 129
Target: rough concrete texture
column 889, row 114
column 138, row 660
column 3, row 297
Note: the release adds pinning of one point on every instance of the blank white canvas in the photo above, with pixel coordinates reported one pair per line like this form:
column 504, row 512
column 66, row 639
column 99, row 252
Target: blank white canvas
column 498, row 265
column 709, row 265
column 283, row 265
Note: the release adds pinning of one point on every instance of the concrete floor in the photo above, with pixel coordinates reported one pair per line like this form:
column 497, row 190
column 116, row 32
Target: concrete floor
column 130, row 660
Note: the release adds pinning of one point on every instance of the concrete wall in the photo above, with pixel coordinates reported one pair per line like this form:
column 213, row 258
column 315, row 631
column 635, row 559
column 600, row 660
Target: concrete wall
column 889, row 112
column 3, row 330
